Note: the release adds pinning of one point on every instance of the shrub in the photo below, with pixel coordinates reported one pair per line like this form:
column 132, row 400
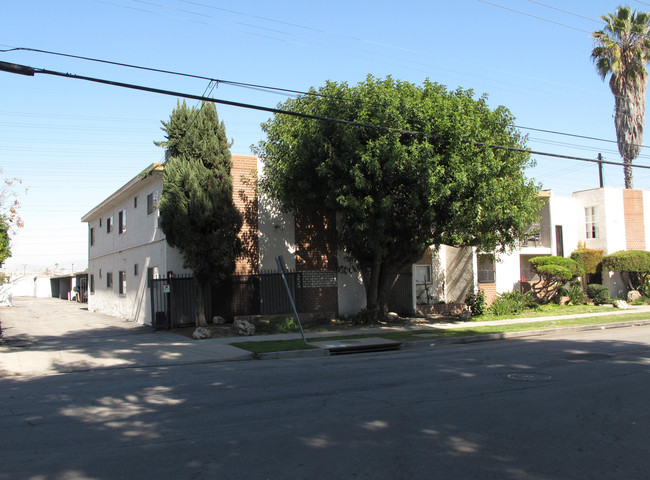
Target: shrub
column 512, row 303
column 588, row 259
column 599, row 294
column 634, row 266
column 476, row 302
column 553, row 272
column 276, row 324
column 363, row 317
column 576, row 295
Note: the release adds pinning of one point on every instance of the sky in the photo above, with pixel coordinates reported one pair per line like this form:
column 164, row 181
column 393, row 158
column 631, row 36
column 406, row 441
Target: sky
column 73, row 143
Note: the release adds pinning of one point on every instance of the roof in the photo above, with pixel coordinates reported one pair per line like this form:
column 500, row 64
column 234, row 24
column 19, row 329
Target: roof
column 154, row 167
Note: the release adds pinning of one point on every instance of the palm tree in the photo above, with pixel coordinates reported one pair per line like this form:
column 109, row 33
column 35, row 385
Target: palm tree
column 622, row 49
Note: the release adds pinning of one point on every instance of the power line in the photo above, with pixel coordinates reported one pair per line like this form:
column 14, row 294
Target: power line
column 30, row 71
column 534, row 16
column 265, row 88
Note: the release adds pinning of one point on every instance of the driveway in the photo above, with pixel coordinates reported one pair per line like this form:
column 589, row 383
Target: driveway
column 45, row 336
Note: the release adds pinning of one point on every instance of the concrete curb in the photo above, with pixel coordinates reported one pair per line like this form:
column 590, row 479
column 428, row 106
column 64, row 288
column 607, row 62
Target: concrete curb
column 422, row 344
column 527, row 333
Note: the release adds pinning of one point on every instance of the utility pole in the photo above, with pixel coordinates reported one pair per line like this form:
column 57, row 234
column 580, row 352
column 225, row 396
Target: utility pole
column 600, row 169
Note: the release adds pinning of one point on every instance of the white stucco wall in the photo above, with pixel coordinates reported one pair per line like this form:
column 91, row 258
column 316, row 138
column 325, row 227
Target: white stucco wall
column 142, row 243
column 609, row 215
column 507, row 271
column 562, row 212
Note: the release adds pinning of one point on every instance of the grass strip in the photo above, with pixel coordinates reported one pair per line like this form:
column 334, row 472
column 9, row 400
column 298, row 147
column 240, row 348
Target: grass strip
column 268, row 346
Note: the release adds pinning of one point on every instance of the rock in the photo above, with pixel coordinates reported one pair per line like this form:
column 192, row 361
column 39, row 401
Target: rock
column 464, row 315
column 200, row 333
column 622, row 304
column 217, row 320
column 243, row 327
column 633, row 296
column 392, row 317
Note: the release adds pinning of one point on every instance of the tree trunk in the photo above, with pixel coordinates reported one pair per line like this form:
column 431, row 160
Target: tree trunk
column 199, row 313
column 371, row 282
column 627, row 169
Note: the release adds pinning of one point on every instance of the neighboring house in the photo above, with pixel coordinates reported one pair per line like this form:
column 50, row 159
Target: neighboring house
column 608, row 219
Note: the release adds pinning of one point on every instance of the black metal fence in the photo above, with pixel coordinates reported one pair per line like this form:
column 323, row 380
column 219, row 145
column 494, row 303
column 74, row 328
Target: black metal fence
column 173, row 298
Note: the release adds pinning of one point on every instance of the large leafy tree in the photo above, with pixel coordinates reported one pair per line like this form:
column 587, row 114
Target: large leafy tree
column 622, row 50
column 395, row 193
column 197, row 211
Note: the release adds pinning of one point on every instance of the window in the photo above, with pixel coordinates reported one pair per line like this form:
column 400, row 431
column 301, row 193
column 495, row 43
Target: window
column 92, row 236
column 591, row 223
column 109, row 224
column 121, row 222
column 100, row 273
column 136, row 270
column 152, row 201
column 152, row 273
column 135, row 202
column 100, row 223
column 485, row 271
column 121, row 276
column 109, row 279
column 92, row 283
column 422, row 274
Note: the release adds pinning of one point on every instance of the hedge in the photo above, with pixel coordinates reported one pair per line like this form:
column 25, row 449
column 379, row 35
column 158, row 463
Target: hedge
column 627, row 261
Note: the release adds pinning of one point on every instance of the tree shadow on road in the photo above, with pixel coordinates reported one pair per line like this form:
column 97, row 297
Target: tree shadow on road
column 543, row 408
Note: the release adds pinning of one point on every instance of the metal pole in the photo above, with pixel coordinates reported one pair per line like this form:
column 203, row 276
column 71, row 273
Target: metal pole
column 280, row 262
column 600, row 169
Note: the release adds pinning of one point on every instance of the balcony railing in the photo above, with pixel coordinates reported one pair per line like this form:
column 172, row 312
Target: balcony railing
column 539, row 235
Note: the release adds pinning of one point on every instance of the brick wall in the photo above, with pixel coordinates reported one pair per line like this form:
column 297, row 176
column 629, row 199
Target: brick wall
column 490, row 291
column 244, row 179
column 316, row 254
column 634, row 219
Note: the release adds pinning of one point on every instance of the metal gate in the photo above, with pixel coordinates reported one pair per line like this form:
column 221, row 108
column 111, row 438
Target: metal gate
column 172, row 301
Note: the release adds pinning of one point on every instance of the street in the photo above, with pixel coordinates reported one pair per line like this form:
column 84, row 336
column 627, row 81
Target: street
column 567, row 406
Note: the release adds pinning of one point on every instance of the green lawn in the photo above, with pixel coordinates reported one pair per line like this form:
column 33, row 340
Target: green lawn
column 549, row 309
column 267, row 346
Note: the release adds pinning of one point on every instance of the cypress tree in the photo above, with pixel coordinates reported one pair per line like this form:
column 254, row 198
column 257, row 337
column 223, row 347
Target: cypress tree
column 198, row 215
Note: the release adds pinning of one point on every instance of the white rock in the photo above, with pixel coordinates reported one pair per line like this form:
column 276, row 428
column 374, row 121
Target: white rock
column 622, row 304
column 217, row 320
column 633, row 296
column 201, row 333
column 243, row 327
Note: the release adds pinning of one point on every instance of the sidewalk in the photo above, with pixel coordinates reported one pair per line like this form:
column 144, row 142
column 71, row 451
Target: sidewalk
column 51, row 336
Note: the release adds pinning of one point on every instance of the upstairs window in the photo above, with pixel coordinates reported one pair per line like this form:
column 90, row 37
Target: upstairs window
column 152, row 201
column 92, row 236
column 121, row 222
column 109, row 224
column 591, row 224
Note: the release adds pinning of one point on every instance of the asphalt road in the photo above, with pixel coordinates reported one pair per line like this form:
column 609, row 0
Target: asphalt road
column 572, row 406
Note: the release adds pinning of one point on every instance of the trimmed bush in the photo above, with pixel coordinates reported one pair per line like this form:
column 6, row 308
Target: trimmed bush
column 588, row 259
column 599, row 294
column 634, row 265
column 553, row 271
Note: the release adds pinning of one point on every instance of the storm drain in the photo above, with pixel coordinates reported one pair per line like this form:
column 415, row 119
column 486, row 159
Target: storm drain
column 358, row 345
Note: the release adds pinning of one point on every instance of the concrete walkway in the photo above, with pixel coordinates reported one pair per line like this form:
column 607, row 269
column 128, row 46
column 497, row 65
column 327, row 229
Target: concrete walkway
column 51, row 336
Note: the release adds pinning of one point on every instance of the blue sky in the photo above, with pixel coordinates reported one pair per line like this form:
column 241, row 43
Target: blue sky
column 74, row 143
